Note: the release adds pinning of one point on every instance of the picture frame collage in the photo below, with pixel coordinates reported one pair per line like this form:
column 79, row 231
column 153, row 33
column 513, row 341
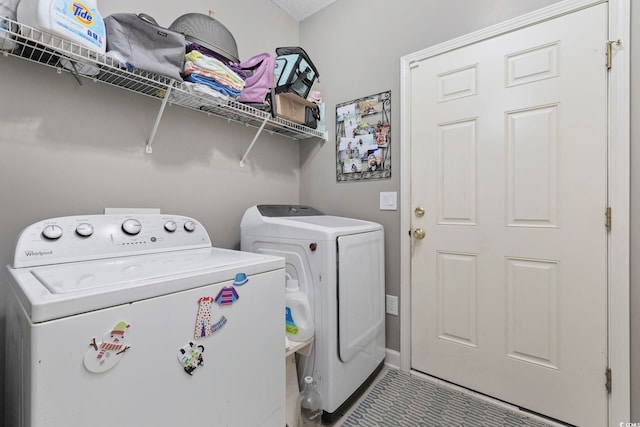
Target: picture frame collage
column 363, row 138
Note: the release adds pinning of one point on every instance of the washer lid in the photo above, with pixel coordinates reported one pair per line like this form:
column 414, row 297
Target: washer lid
column 83, row 276
column 62, row 290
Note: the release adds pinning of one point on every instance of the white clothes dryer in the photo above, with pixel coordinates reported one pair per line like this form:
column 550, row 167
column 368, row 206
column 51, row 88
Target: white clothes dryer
column 139, row 321
column 339, row 264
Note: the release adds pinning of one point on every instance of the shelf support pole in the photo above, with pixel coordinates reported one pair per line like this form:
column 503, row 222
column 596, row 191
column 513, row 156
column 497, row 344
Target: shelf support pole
column 255, row 138
column 148, row 149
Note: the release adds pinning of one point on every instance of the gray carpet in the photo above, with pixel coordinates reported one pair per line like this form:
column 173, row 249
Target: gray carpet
column 400, row 399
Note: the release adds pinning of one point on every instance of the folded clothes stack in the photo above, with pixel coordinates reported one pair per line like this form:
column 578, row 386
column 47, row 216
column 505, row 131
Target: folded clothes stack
column 203, row 68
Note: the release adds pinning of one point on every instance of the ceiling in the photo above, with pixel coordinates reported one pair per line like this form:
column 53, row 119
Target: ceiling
column 301, row 9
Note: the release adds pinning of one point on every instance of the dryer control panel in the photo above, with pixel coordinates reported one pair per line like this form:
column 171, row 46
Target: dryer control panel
column 287, row 210
column 81, row 238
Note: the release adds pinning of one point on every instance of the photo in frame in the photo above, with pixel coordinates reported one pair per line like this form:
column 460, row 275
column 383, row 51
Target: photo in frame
column 363, row 138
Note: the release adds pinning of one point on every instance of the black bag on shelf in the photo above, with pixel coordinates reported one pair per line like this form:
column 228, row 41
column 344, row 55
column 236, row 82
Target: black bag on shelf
column 312, row 116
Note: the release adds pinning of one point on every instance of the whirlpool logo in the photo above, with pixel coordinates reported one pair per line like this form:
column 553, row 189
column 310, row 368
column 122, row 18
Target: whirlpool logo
column 38, row 253
column 82, row 13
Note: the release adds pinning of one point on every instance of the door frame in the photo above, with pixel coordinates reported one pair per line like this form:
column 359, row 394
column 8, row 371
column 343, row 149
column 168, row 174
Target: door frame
column 618, row 185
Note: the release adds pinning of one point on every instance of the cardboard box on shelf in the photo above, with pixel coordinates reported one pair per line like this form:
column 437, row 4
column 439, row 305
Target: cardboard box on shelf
column 292, row 107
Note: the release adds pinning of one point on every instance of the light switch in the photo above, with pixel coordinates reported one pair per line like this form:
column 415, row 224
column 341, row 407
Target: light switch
column 392, row 305
column 388, row 201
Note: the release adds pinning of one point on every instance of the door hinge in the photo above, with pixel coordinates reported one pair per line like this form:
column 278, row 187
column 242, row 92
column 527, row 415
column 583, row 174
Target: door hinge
column 607, row 384
column 610, row 44
column 608, row 220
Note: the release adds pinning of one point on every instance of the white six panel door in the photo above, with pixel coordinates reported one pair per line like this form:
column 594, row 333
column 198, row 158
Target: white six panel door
column 509, row 161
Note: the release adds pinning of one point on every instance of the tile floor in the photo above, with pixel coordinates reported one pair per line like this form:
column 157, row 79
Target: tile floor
column 338, row 422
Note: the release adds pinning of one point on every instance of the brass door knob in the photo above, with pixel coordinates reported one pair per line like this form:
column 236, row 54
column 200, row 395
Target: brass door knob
column 419, row 233
column 419, row 212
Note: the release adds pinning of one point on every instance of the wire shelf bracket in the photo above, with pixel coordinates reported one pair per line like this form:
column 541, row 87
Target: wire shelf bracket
column 148, row 148
column 255, row 138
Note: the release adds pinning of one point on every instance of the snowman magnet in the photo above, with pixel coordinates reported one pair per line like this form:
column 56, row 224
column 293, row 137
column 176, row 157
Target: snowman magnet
column 105, row 355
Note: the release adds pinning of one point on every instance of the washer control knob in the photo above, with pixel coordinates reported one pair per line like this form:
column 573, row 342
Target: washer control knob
column 190, row 226
column 85, row 229
column 131, row 227
column 170, row 226
column 52, row 232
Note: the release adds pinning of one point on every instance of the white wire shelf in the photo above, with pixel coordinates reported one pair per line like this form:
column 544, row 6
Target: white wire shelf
column 63, row 55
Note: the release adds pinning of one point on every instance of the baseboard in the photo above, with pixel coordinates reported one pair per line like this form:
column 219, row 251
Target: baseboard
column 392, row 359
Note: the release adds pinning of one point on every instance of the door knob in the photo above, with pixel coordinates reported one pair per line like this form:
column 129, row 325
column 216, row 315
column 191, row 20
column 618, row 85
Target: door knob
column 419, row 212
column 419, row 233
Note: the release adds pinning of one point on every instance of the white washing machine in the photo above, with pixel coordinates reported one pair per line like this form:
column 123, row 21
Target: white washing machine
column 339, row 264
column 139, row 321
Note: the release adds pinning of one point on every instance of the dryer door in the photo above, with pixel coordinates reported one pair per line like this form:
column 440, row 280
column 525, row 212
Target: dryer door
column 360, row 291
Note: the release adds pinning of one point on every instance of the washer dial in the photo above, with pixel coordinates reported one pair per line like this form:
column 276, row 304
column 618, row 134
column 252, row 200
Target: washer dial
column 131, row 226
column 85, row 229
column 52, row 232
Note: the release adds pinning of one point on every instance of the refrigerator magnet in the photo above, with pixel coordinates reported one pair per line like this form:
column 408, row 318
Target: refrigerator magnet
column 106, row 354
column 190, row 357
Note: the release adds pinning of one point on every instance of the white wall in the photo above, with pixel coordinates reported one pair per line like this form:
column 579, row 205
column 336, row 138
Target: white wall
column 67, row 149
